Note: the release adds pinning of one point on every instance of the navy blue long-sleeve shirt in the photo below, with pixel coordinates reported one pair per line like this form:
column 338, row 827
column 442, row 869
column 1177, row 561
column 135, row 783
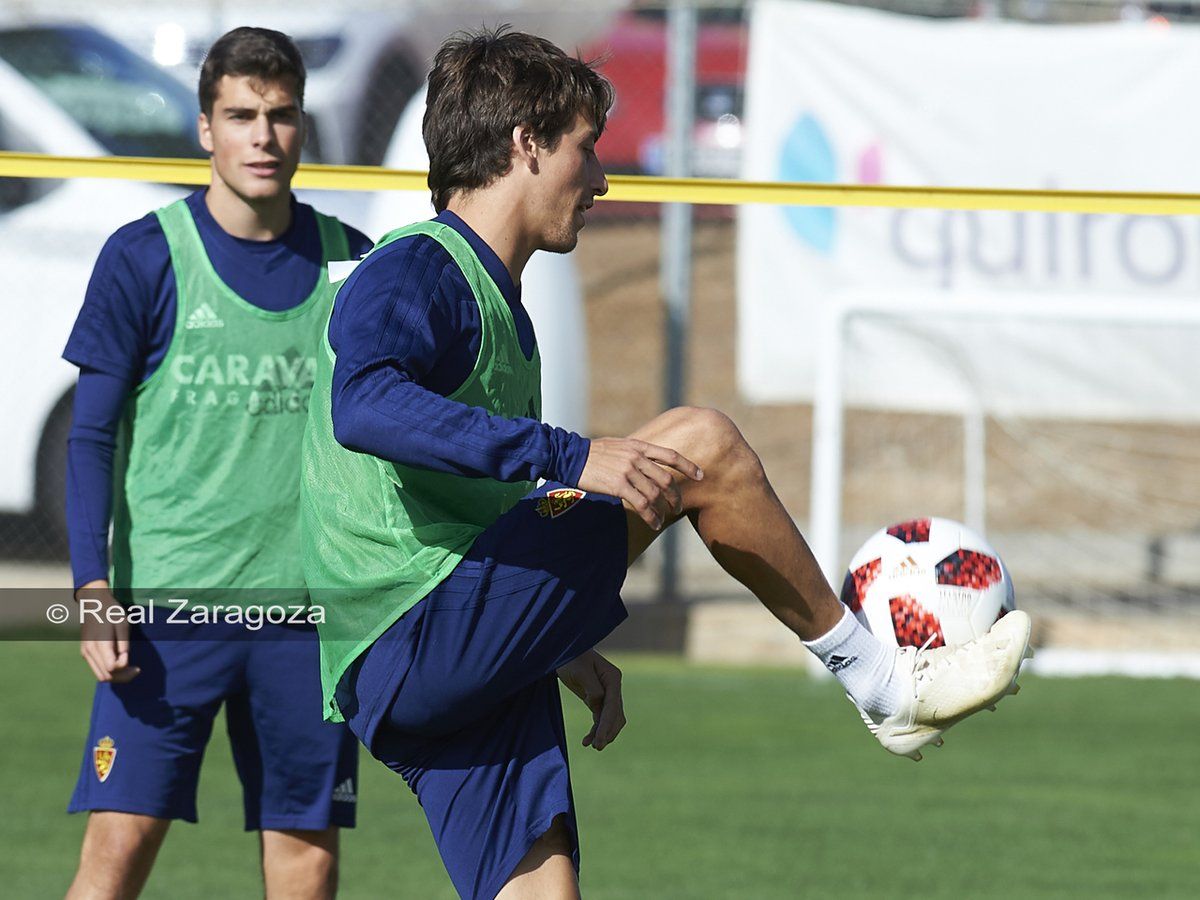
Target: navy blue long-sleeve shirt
column 406, row 331
column 124, row 330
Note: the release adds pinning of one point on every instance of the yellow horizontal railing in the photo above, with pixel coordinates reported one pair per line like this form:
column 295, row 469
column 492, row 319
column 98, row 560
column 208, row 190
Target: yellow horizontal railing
column 637, row 188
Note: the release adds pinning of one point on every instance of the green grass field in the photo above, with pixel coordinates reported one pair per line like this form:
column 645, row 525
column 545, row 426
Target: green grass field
column 727, row 783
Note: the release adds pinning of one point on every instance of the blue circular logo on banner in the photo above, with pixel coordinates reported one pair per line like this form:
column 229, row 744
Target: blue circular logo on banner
column 808, row 156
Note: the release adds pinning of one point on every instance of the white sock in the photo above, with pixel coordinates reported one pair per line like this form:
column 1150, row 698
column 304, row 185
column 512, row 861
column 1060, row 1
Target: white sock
column 861, row 663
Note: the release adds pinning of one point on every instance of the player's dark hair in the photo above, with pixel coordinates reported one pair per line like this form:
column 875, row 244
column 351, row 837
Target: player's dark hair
column 252, row 52
column 485, row 84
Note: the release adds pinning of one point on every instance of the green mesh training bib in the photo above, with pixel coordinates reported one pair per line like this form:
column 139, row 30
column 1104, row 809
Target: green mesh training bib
column 378, row 537
column 207, row 479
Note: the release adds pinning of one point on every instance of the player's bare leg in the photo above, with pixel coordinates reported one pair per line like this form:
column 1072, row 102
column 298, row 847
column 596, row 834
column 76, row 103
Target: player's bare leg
column 118, row 853
column 907, row 698
column 300, row 865
column 741, row 520
column 546, row 872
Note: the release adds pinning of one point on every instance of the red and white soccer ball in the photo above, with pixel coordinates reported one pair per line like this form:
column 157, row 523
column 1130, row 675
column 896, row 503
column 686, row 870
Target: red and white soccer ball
column 927, row 580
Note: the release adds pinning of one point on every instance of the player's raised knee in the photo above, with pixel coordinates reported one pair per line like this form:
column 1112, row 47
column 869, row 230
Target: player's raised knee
column 710, row 439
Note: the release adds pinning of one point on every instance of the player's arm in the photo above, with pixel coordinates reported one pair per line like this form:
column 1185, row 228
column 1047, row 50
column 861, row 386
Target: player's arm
column 91, row 447
column 401, row 348
column 108, row 344
column 91, row 444
column 394, row 331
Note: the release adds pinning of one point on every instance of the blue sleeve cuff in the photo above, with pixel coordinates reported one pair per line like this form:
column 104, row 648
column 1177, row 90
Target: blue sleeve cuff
column 570, row 455
column 83, row 577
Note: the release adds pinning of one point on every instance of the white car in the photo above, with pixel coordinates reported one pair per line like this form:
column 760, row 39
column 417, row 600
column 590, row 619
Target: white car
column 365, row 58
column 50, row 235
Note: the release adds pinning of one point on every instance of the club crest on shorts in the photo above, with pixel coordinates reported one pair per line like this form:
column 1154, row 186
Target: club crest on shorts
column 103, row 756
column 558, row 502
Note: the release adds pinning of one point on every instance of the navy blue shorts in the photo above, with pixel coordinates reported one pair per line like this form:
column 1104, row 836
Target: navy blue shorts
column 460, row 697
column 147, row 737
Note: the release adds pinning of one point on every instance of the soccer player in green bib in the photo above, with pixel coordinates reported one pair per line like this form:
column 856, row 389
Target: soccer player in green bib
column 457, row 591
column 196, row 346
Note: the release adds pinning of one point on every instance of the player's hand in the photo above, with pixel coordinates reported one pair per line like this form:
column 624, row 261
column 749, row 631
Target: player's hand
column 597, row 682
column 104, row 645
column 639, row 474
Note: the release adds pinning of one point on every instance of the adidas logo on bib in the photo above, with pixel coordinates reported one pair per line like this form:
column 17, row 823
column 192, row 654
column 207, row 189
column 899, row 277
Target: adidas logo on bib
column 344, row 792
column 204, row 317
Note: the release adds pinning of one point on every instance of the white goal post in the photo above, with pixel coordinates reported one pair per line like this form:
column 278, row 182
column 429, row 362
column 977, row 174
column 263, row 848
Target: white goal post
column 830, row 401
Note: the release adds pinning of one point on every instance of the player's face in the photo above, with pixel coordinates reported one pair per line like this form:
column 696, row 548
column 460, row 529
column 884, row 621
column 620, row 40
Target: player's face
column 572, row 179
column 255, row 135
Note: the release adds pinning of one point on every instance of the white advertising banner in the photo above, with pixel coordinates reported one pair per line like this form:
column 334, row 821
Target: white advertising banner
column 848, row 95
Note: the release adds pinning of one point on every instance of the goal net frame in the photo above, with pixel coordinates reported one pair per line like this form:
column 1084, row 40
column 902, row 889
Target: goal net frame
column 829, row 411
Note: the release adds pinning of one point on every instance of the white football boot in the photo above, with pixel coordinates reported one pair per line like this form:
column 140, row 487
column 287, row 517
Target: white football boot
column 951, row 683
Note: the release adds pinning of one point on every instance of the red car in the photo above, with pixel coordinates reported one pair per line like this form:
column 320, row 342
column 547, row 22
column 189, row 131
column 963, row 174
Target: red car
column 634, row 57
